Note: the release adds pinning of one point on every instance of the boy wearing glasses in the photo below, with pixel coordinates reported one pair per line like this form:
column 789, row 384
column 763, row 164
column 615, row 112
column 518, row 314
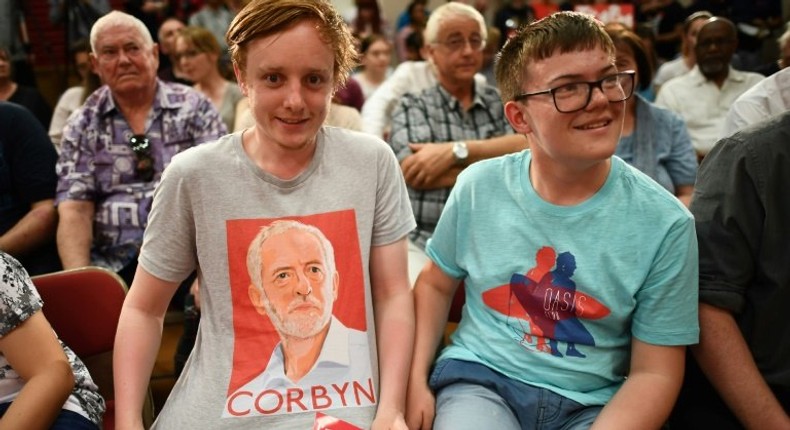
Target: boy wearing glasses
column 580, row 272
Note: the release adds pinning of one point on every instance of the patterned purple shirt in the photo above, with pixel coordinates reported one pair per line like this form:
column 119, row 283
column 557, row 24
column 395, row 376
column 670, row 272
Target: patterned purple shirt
column 97, row 163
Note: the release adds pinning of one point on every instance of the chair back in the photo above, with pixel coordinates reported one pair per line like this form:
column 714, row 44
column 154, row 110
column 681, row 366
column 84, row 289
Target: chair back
column 83, row 306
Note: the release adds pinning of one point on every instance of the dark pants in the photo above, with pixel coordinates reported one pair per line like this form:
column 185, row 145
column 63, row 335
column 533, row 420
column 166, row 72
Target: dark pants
column 66, row 420
column 700, row 407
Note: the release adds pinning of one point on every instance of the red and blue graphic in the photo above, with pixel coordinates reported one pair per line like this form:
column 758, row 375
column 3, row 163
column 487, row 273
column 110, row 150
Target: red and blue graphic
column 544, row 306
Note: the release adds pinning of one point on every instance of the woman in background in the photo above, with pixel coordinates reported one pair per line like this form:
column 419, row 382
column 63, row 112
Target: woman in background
column 654, row 140
column 13, row 92
column 198, row 54
column 74, row 97
column 375, row 53
column 43, row 385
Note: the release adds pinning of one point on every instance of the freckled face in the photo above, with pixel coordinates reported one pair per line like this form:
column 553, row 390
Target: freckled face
column 288, row 78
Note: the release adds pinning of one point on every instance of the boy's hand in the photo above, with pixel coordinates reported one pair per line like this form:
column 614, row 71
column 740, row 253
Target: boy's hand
column 420, row 407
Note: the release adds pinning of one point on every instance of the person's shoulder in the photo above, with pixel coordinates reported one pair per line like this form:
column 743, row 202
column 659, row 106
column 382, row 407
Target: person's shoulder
column 199, row 158
column 13, row 113
column 773, row 132
column 647, row 195
column 359, row 142
column 746, row 76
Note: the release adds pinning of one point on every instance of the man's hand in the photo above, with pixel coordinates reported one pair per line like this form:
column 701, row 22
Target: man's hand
column 389, row 420
column 420, row 406
column 428, row 162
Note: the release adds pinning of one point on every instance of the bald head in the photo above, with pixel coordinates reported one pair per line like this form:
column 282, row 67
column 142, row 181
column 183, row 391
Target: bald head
column 716, row 44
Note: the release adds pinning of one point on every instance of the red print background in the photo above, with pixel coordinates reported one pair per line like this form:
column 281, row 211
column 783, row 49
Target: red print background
column 255, row 336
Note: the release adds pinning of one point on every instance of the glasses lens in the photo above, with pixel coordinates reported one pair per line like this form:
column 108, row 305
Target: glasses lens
column 576, row 96
column 141, row 146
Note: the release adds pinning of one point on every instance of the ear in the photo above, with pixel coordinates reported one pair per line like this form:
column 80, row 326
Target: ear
column 518, row 118
column 335, row 284
column 256, row 299
column 155, row 52
column 240, row 78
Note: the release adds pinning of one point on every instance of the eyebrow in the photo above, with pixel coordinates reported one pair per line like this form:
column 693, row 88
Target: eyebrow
column 576, row 77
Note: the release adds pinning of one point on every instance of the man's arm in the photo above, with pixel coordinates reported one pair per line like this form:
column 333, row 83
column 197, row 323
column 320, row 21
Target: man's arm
column 393, row 307
column 137, row 343
column 75, row 232
column 34, row 229
column 734, row 374
column 432, row 165
column 647, row 396
column 433, row 294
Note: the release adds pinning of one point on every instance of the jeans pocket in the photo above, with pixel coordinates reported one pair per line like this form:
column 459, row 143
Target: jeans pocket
column 435, row 380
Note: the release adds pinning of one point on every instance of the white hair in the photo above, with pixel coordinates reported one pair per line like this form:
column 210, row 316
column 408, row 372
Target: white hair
column 119, row 19
column 449, row 11
column 254, row 263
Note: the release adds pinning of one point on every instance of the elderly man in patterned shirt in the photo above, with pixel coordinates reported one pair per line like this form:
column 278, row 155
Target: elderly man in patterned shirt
column 116, row 146
column 444, row 128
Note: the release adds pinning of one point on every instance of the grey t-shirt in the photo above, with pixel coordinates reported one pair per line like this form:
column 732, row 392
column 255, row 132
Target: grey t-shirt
column 210, row 204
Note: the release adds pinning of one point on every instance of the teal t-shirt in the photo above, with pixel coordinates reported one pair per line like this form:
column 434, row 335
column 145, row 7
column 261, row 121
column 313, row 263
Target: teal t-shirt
column 554, row 294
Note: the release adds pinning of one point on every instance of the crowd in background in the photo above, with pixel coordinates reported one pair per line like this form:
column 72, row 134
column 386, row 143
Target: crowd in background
column 687, row 64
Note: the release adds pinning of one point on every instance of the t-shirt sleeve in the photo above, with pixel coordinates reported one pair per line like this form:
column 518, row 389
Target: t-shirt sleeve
column 666, row 309
column 168, row 250
column 443, row 246
column 19, row 299
column 729, row 215
column 393, row 217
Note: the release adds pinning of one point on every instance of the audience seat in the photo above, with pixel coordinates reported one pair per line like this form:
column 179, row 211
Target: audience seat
column 83, row 306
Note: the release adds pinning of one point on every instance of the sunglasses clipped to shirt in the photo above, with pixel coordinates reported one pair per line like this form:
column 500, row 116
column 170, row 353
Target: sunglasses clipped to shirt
column 141, row 146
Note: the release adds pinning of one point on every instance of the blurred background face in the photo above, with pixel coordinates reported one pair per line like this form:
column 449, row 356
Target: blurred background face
column 716, row 43
column 378, row 56
column 694, row 31
column 83, row 64
column 195, row 65
column 457, row 52
column 167, row 35
column 625, row 60
column 124, row 60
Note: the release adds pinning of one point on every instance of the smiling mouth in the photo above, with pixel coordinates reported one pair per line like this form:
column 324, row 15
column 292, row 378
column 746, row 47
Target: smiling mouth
column 293, row 121
column 594, row 125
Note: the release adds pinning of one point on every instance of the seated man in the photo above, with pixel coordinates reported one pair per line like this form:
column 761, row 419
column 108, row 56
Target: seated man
column 433, row 130
column 580, row 272
column 116, row 146
column 703, row 95
column 769, row 97
column 740, row 377
column 27, row 190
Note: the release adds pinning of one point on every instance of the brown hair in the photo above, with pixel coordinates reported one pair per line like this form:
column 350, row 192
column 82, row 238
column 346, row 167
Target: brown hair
column 562, row 31
column 622, row 36
column 263, row 18
column 202, row 39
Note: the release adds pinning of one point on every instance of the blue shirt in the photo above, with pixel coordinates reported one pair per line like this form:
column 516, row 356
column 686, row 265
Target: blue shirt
column 555, row 294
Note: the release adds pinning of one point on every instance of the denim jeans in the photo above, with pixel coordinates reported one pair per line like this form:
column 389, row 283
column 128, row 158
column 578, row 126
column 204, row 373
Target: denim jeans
column 66, row 420
column 473, row 396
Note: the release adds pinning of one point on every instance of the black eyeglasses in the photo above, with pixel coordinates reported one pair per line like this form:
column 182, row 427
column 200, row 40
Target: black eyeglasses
column 141, row 147
column 575, row 96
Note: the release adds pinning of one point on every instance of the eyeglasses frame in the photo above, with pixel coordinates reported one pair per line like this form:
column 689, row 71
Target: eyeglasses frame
column 591, row 85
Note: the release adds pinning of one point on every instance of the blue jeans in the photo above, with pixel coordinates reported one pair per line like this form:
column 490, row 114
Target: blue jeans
column 473, row 396
column 66, row 420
